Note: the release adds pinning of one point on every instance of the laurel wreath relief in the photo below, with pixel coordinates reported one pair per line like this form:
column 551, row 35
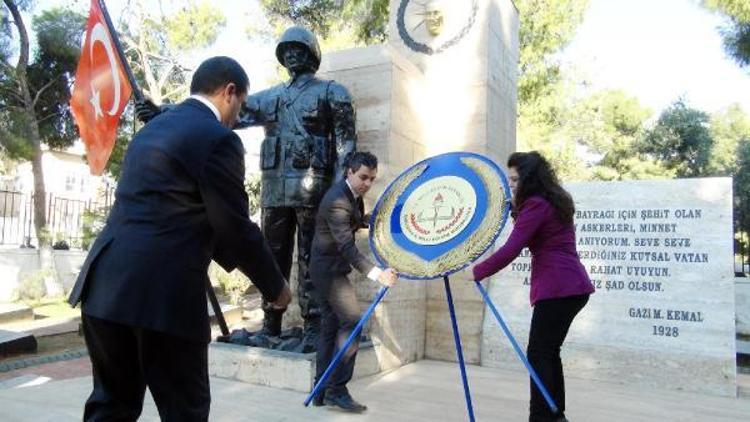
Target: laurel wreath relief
column 424, row 48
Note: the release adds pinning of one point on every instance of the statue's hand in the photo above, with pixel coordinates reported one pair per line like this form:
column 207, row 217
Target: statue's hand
column 284, row 298
column 245, row 119
column 145, row 110
column 241, row 124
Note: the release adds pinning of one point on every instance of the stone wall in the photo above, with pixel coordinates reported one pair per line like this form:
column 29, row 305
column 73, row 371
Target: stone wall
column 15, row 264
column 469, row 104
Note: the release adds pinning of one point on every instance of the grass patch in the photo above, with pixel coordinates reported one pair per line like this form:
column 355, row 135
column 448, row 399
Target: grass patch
column 54, row 308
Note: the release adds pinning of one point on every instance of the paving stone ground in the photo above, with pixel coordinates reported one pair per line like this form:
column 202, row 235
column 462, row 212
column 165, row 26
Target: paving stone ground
column 423, row 391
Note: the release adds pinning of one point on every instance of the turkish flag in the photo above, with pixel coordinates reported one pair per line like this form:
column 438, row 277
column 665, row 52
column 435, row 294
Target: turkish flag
column 101, row 91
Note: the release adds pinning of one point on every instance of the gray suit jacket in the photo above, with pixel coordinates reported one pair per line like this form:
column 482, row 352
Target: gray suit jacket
column 333, row 249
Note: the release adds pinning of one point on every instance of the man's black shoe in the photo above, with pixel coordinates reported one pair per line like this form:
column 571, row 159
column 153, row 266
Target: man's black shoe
column 560, row 417
column 344, row 402
column 318, row 400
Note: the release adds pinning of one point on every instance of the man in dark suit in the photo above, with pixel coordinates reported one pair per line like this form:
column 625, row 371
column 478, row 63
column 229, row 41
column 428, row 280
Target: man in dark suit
column 334, row 253
column 180, row 203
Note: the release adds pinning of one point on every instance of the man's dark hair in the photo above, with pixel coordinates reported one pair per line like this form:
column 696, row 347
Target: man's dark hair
column 215, row 73
column 361, row 158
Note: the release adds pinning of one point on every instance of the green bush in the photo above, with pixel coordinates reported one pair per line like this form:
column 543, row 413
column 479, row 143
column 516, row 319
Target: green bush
column 252, row 187
column 93, row 223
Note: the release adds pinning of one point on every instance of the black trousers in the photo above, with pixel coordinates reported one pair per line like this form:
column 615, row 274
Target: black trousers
column 340, row 313
column 279, row 225
column 126, row 359
column 549, row 326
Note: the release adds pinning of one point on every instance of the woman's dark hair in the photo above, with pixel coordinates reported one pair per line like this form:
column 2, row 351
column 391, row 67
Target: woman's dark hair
column 536, row 177
column 215, row 73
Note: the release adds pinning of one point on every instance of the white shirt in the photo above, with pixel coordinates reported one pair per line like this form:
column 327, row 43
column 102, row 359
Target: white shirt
column 375, row 271
column 208, row 104
column 351, row 189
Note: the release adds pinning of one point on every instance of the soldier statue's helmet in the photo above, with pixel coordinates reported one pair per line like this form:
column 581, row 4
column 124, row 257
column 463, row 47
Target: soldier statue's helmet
column 299, row 35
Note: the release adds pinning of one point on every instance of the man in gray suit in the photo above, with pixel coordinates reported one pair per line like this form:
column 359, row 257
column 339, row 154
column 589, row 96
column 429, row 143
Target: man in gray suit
column 333, row 255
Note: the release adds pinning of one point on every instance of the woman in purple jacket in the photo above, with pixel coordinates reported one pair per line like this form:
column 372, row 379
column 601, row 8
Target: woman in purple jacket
column 543, row 213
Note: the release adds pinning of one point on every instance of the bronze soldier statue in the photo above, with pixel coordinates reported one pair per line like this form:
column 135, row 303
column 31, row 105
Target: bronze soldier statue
column 309, row 134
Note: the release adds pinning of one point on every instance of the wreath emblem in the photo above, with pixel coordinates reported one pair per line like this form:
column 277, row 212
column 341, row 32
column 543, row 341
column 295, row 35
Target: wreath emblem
column 424, row 48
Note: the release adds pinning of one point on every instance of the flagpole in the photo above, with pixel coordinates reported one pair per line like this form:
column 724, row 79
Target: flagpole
column 128, row 71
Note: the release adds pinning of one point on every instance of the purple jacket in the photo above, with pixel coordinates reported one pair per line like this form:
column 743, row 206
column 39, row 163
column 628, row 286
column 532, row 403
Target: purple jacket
column 556, row 270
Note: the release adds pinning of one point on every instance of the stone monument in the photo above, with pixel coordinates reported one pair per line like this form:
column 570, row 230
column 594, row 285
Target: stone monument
column 660, row 256
column 454, row 91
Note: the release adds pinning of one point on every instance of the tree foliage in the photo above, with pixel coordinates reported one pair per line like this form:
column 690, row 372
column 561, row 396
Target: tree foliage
column 546, row 27
column 339, row 24
column 35, row 90
column 611, row 125
column 681, row 139
column 48, row 75
column 736, row 33
column 729, row 129
column 156, row 44
column 59, row 35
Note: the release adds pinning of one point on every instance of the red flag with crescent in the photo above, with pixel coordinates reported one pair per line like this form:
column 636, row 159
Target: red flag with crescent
column 101, row 91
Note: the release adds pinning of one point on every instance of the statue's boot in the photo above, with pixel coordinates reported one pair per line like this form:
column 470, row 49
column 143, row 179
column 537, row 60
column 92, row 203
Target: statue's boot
column 272, row 322
column 310, row 334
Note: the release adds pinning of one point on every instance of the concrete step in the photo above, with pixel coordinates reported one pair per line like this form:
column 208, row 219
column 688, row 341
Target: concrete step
column 53, row 328
column 12, row 342
column 278, row 369
column 743, row 384
column 15, row 312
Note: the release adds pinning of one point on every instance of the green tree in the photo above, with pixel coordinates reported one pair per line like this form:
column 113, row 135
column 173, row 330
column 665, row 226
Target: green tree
column 736, row 33
column 339, row 24
column 546, row 27
column 35, row 90
column 155, row 44
column 728, row 129
column 681, row 139
column 730, row 156
column 611, row 125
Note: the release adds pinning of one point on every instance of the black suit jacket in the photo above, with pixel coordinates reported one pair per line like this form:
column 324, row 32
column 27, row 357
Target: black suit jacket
column 334, row 251
column 180, row 203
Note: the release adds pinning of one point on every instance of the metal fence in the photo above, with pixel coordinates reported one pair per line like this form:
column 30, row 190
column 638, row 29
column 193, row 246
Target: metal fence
column 66, row 218
column 741, row 235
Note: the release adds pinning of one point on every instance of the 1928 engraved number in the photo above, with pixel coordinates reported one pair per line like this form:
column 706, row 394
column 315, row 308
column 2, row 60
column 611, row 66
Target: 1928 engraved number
column 660, row 330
